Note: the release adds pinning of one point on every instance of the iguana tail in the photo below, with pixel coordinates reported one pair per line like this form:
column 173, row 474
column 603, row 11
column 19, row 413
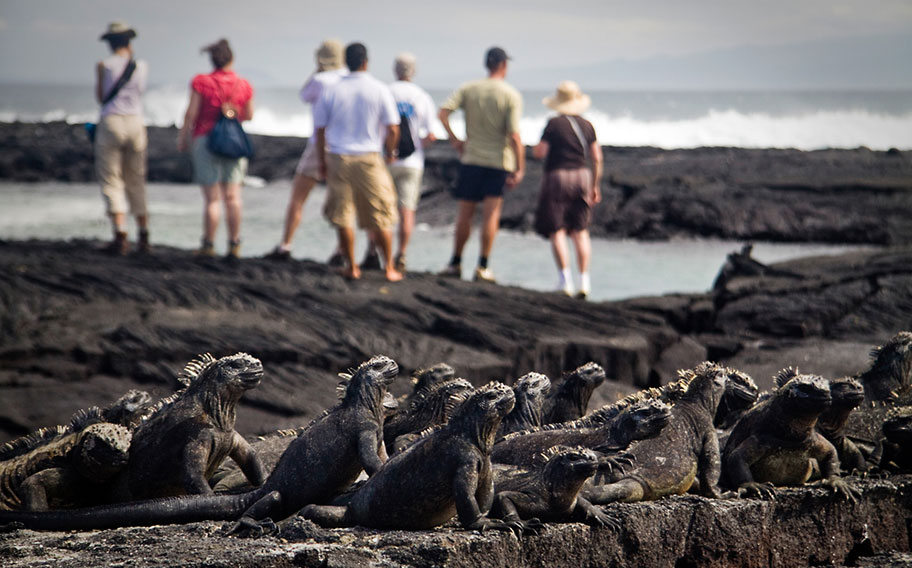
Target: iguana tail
column 170, row 510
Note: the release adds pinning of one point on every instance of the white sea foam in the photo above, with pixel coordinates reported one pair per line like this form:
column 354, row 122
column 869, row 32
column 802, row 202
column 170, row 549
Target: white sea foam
column 805, row 121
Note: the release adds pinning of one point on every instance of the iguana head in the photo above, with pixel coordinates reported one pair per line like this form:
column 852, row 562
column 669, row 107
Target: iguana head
column 807, row 394
column 643, row 419
column 369, row 382
column 130, row 408
column 898, row 426
column 480, row 416
column 847, row 392
column 586, row 377
column 709, row 383
column 438, row 401
column 891, row 369
column 233, row 373
column 424, row 378
column 741, row 392
column 103, row 451
column 565, row 465
column 532, row 386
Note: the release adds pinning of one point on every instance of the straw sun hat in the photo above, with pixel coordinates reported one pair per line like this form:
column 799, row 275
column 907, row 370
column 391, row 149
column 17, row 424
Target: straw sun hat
column 568, row 99
column 118, row 28
column 330, row 55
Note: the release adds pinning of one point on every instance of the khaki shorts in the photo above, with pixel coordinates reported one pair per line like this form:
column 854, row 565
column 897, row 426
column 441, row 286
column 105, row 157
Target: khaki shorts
column 209, row 169
column 360, row 185
column 120, row 163
column 408, row 185
column 309, row 164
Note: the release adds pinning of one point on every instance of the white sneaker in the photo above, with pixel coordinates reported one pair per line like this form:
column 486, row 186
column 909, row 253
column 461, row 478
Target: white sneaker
column 484, row 275
column 566, row 289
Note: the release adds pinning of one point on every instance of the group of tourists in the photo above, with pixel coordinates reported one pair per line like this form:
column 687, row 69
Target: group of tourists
column 368, row 147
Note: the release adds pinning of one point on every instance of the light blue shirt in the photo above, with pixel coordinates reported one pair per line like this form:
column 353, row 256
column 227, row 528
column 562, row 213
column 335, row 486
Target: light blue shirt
column 355, row 113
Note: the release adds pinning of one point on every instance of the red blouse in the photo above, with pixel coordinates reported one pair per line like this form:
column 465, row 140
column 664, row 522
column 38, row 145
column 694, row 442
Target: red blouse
column 216, row 88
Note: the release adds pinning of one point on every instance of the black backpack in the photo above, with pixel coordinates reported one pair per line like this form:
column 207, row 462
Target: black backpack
column 406, row 145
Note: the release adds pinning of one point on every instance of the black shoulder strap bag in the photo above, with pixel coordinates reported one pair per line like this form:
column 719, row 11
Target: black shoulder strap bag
column 124, row 77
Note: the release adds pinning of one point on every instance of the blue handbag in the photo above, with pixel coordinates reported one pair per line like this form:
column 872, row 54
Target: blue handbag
column 228, row 139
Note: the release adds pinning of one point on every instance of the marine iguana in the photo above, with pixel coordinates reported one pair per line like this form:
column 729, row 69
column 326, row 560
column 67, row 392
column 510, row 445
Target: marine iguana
column 774, row 443
column 66, row 471
column 177, row 449
column 890, row 371
column 270, row 447
column 529, row 391
column 445, row 472
column 431, row 406
column 322, row 461
column 550, row 491
column 847, row 394
column 897, row 445
column 685, row 450
column 426, row 377
column 630, row 421
column 128, row 411
column 741, row 393
column 569, row 400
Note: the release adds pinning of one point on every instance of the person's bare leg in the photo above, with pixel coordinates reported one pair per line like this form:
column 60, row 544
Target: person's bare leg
column 559, row 248
column 212, row 211
column 463, row 226
column 118, row 223
column 490, row 223
column 383, row 238
column 347, row 248
column 583, row 245
column 406, row 226
column 233, row 205
column 300, row 190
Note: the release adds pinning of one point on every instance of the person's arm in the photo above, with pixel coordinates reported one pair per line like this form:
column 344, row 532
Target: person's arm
column 597, row 159
column 247, row 111
column 321, row 150
column 183, row 137
column 99, row 76
column 390, row 143
column 519, row 151
column 455, row 142
column 540, row 151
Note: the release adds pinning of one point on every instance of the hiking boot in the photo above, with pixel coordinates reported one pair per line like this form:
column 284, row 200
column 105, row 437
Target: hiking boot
column 400, row 263
column 484, row 275
column 582, row 295
column 279, row 253
column 336, row 260
column 371, row 261
column 234, row 250
column 143, row 246
column 451, row 271
column 206, row 250
column 120, row 246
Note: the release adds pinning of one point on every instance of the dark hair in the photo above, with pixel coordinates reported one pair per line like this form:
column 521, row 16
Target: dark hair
column 355, row 56
column 494, row 57
column 116, row 41
column 220, row 53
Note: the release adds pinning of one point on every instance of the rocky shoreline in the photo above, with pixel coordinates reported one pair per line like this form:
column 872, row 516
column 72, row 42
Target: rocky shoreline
column 649, row 193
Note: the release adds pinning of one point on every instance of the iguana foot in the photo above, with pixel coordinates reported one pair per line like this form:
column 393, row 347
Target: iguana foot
column 248, row 527
column 531, row 526
column 598, row 518
column 752, row 489
column 838, row 485
column 483, row 523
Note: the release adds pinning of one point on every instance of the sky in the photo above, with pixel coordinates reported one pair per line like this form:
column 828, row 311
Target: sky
column 655, row 44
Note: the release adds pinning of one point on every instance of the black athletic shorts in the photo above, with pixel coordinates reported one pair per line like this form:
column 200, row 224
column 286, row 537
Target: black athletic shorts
column 477, row 182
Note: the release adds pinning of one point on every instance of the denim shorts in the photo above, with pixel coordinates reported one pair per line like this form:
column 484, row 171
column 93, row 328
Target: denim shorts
column 209, row 169
column 478, row 182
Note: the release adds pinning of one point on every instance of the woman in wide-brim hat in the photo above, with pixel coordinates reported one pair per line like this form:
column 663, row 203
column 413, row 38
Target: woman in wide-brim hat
column 120, row 137
column 570, row 183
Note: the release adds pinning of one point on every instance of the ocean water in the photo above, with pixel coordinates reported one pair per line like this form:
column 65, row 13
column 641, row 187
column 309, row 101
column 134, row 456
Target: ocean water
column 805, row 120
column 620, row 268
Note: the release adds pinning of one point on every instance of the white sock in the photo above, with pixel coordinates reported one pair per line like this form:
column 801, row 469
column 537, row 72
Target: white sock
column 565, row 283
column 585, row 282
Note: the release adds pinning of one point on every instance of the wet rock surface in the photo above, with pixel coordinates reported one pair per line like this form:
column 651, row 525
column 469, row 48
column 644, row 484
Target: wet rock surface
column 649, row 193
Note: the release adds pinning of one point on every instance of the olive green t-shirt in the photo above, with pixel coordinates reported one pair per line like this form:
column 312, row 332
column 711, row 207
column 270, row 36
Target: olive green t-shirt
column 492, row 111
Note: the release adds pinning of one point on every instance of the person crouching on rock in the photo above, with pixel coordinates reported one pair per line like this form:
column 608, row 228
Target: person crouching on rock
column 120, row 138
column 219, row 176
column 569, row 187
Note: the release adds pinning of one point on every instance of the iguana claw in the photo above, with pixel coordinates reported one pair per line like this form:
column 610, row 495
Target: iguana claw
column 248, row 527
column 598, row 518
column 758, row 490
column 482, row 524
column 838, row 485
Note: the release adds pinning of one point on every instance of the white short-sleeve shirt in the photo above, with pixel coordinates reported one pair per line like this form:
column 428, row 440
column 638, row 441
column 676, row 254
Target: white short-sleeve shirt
column 415, row 103
column 355, row 113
